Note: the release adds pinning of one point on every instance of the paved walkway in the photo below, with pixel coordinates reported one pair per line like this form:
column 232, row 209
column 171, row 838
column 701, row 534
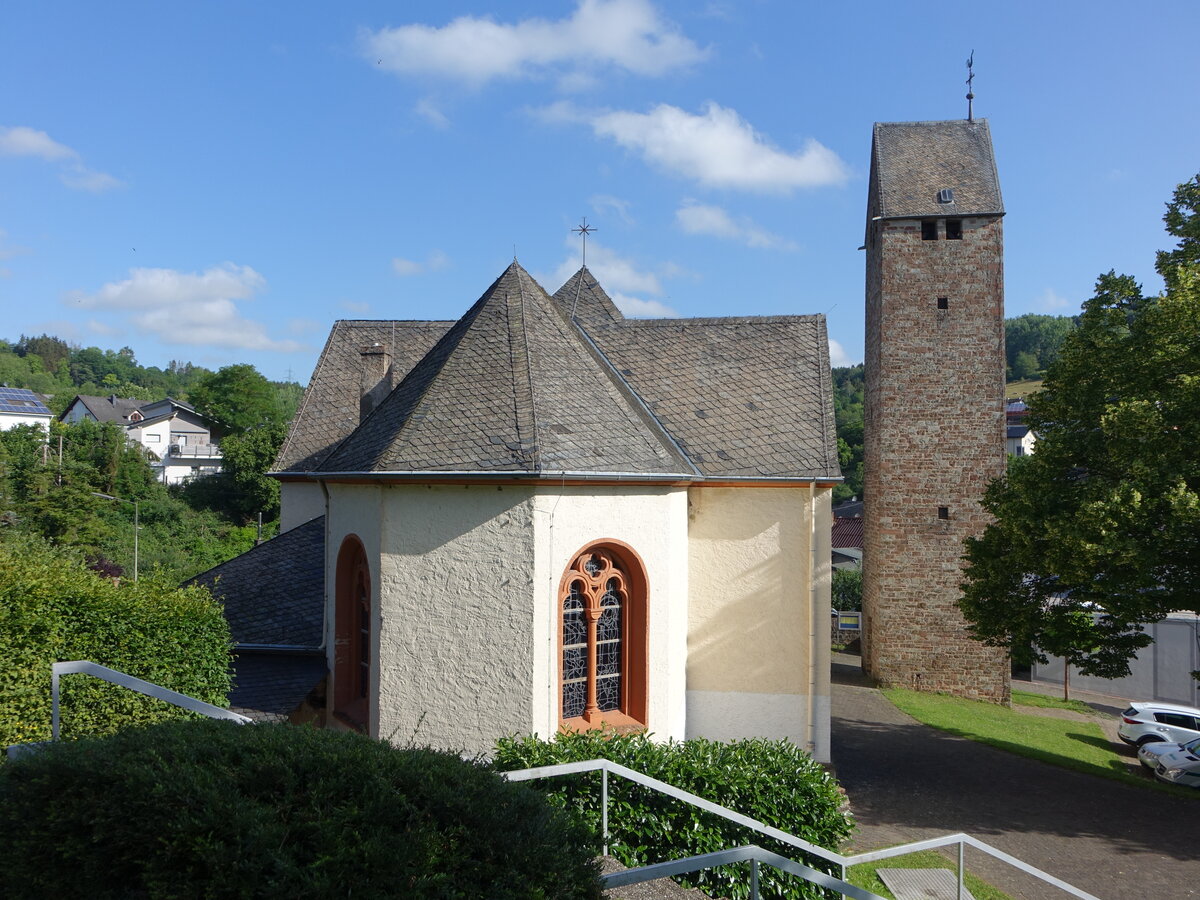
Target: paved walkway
column 909, row 782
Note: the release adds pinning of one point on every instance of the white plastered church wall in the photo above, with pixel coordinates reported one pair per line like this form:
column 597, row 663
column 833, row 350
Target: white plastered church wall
column 456, row 647
column 299, row 502
column 653, row 521
column 758, row 648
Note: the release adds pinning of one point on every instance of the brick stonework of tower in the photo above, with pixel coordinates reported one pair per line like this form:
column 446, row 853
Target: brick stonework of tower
column 934, row 418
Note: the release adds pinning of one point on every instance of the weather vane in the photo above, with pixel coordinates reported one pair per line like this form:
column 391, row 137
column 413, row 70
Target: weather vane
column 583, row 231
column 970, row 87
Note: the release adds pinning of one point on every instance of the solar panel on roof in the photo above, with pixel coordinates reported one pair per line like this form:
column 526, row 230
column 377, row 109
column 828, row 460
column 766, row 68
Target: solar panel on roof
column 22, row 400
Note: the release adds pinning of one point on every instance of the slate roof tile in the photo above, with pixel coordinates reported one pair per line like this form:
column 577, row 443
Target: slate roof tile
column 915, row 160
column 275, row 593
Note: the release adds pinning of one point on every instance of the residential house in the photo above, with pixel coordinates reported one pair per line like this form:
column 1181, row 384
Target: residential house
column 20, row 406
column 179, row 439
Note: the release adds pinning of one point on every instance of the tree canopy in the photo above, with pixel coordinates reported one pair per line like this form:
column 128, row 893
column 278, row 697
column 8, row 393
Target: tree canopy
column 1098, row 532
column 238, row 398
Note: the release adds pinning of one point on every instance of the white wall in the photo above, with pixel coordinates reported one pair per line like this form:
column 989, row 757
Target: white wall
column 758, row 638
column 299, row 502
column 12, row 420
column 653, row 521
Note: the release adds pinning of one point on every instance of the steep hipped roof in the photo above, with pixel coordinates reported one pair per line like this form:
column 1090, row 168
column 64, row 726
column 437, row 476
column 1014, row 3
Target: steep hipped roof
column 583, row 299
column 513, row 387
column 744, row 397
column 912, row 161
column 329, row 409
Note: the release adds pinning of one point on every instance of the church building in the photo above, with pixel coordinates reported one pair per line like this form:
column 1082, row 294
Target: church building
column 547, row 516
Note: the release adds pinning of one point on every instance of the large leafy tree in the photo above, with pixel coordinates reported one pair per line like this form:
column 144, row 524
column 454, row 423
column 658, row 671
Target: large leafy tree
column 1098, row 532
column 238, row 398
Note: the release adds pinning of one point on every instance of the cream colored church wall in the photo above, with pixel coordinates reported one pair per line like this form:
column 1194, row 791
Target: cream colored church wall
column 299, row 502
column 758, row 617
column 456, row 628
column 653, row 521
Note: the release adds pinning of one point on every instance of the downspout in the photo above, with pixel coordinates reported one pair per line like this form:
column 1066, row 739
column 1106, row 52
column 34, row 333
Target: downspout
column 813, row 627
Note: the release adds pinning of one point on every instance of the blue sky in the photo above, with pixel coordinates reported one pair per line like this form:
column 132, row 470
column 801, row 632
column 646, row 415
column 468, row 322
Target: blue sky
column 218, row 182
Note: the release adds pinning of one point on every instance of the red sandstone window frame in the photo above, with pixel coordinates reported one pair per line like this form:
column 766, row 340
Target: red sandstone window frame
column 617, row 558
column 353, row 636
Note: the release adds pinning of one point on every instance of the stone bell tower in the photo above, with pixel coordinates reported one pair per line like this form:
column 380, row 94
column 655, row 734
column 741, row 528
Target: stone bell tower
column 934, row 418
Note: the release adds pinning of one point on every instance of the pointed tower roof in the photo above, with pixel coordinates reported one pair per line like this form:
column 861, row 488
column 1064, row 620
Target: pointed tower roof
column 912, row 161
column 513, row 387
column 583, row 299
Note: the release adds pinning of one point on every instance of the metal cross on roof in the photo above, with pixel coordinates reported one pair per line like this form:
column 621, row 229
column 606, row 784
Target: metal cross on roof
column 970, row 87
column 583, row 231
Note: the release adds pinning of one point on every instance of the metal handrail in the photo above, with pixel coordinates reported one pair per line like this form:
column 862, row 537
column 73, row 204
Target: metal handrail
column 751, row 852
column 961, row 840
column 149, row 688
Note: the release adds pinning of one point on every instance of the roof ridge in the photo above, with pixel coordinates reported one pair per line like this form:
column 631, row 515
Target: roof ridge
column 524, row 414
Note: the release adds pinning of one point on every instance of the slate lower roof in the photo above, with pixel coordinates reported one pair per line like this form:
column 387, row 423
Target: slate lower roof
column 274, row 594
column 268, row 687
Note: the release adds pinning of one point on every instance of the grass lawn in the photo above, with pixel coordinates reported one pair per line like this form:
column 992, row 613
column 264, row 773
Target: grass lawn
column 1071, row 744
column 864, row 876
column 1028, row 698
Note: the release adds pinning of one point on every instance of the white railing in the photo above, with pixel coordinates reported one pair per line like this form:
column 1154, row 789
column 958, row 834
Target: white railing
column 149, row 688
column 647, row 873
column 196, row 450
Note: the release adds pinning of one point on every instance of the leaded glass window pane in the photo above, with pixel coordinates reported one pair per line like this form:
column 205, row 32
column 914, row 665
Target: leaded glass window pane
column 574, row 697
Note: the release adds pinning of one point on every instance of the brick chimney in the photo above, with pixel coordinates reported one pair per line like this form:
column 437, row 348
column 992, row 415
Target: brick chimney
column 376, row 378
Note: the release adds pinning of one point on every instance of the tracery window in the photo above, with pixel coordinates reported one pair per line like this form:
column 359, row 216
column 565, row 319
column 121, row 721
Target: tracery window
column 603, row 639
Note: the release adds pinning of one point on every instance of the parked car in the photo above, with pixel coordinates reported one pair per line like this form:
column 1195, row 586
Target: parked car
column 1151, row 752
column 1181, row 767
column 1143, row 723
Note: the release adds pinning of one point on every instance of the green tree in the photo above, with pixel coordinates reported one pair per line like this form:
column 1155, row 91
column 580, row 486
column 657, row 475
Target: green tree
column 237, row 397
column 1098, row 532
column 848, row 392
column 846, row 592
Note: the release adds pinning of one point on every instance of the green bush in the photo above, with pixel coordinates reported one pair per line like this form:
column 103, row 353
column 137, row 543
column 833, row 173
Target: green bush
column 772, row 781
column 210, row 809
column 52, row 608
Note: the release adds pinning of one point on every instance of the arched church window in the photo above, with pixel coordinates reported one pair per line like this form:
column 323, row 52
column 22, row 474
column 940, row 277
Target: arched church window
column 352, row 636
column 603, row 607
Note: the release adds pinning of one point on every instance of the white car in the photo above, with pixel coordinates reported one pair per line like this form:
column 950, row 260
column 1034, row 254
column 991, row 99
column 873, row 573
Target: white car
column 1150, row 753
column 1180, row 767
column 1143, row 723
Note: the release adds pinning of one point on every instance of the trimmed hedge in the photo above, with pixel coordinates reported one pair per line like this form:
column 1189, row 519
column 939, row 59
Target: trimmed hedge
column 210, row 809
column 774, row 782
column 53, row 608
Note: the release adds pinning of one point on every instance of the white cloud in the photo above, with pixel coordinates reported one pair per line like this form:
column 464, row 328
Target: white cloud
column 716, row 148
column 646, row 309
column 698, row 218
column 196, row 309
column 621, row 34
column 355, row 306
column 95, row 326
column 20, row 140
column 604, row 202
column 1050, row 301
column 837, row 354
column 429, row 111
column 621, row 279
column 436, row 261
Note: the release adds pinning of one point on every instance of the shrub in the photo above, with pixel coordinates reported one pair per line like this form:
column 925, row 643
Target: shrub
column 53, row 608
column 211, row 809
column 772, row 781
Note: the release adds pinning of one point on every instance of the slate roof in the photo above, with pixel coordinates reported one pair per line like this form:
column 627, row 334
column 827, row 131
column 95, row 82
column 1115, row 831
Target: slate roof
column 108, row 409
column 328, row 410
column 513, row 387
column 267, row 687
column 516, row 387
column 744, row 397
column 275, row 592
column 583, row 298
column 912, row 161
